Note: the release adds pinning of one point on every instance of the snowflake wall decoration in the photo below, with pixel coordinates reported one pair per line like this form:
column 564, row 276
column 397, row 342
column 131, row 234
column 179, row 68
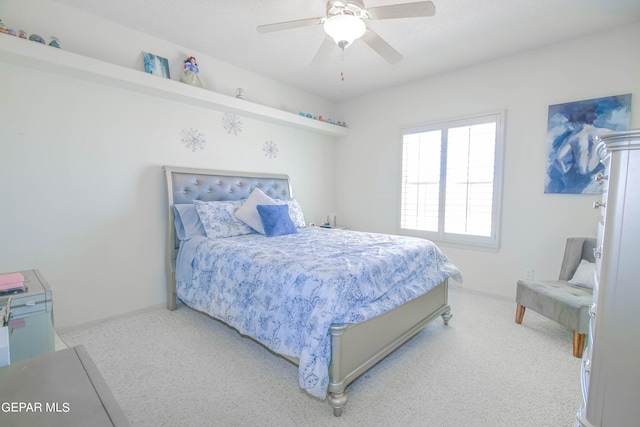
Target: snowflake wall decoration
column 232, row 123
column 193, row 139
column 270, row 149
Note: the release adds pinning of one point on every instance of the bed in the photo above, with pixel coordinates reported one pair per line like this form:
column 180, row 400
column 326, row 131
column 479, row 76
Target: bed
column 318, row 316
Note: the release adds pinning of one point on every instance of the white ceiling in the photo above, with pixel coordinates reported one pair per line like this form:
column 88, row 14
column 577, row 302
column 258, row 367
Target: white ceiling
column 462, row 32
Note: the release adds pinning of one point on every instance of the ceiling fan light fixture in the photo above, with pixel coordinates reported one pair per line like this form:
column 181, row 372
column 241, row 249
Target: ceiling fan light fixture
column 344, row 29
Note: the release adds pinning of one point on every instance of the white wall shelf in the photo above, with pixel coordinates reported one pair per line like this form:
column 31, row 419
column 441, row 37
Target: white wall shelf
column 14, row 50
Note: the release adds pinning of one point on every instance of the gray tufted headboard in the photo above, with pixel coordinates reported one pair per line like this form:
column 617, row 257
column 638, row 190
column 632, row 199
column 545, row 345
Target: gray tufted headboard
column 184, row 185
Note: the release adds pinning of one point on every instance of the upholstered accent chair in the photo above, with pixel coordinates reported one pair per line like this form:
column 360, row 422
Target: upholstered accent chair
column 568, row 299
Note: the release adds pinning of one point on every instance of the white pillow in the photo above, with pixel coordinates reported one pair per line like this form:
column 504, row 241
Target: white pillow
column 248, row 213
column 584, row 275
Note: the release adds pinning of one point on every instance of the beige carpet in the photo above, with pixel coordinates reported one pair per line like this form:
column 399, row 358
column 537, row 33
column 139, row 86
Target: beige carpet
column 183, row 368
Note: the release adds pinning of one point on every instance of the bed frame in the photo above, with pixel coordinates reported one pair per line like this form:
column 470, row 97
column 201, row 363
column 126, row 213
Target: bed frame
column 355, row 348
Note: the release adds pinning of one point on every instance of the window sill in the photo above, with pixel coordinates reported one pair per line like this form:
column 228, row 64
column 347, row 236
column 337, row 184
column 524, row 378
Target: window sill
column 460, row 244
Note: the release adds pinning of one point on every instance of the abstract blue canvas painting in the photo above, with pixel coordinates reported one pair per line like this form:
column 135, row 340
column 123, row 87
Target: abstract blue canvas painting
column 156, row 65
column 572, row 161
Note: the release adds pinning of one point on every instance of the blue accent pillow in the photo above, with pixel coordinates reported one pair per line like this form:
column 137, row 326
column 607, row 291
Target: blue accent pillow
column 276, row 220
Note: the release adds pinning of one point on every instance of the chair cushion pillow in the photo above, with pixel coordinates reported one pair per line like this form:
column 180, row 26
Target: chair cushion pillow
column 584, row 275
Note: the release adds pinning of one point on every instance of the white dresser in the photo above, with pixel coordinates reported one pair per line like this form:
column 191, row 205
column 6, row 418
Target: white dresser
column 611, row 361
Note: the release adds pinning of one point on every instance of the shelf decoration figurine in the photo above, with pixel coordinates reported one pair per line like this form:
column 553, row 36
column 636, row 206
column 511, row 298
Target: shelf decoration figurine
column 36, row 38
column 55, row 42
column 190, row 74
column 323, row 119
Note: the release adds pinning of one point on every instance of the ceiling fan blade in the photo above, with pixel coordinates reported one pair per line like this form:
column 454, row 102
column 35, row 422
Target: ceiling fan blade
column 382, row 48
column 323, row 53
column 289, row 25
column 404, row 10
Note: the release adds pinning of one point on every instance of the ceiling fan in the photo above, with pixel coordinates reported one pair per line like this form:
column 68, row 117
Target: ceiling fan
column 346, row 22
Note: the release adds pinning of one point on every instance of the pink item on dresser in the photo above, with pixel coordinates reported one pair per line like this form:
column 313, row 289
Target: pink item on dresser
column 11, row 281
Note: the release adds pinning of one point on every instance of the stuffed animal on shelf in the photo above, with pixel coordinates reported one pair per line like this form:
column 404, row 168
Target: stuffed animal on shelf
column 190, row 74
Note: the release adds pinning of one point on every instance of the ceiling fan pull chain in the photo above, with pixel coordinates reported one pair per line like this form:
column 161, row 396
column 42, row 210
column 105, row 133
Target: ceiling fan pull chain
column 342, row 66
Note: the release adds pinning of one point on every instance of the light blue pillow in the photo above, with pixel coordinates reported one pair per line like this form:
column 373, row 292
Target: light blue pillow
column 218, row 219
column 276, row 220
column 187, row 222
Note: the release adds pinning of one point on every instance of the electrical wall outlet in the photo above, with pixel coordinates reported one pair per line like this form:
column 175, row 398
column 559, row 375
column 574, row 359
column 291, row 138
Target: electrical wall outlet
column 528, row 273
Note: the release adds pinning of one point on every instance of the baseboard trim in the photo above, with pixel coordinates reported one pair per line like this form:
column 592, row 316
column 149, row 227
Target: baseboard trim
column 461, row 288
column 67, row 329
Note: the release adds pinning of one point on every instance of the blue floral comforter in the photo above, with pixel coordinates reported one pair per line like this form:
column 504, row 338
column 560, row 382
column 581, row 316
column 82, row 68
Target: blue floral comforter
column 286, row 291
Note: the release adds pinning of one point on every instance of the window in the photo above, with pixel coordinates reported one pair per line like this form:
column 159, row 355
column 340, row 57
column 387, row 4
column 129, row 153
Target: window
column 452, row 180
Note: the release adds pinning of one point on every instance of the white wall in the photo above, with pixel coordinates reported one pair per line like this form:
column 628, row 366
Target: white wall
column 534, row 225
column 95, row 37
column 81, row 186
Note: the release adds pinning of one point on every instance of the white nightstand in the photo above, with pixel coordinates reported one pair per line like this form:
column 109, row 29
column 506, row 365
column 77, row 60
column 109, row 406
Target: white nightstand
column 37, row 298
column 31, row 331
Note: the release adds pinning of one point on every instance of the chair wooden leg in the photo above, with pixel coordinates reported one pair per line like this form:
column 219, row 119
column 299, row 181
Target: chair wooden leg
column 519, row 313
column 578, row 343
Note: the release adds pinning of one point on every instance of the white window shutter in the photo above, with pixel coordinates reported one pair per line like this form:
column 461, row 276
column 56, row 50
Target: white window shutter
column 452, row 180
